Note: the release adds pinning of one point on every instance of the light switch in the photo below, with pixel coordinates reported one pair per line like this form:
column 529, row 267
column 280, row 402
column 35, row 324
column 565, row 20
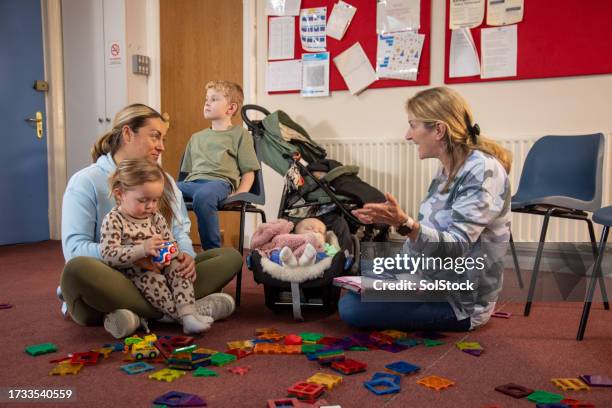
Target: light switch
column 141, row 64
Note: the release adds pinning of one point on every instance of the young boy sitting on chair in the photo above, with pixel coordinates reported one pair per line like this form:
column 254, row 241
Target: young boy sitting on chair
column 220, row 161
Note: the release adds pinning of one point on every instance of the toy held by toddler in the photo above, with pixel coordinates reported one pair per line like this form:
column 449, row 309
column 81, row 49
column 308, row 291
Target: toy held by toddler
column 133, row 234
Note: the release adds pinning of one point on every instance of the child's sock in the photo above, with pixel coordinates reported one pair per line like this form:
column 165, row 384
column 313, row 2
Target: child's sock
column 204, row 319
column 287, row 257
column 309, row 256
column 192, row 325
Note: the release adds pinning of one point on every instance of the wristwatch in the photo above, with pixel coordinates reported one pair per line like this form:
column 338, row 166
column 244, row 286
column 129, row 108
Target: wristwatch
column 405, row 228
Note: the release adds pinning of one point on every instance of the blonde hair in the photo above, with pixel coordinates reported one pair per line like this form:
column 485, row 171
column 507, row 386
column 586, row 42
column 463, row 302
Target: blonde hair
column 134, row 116
column 232, row 91
column 131, row 173
column 446, row 106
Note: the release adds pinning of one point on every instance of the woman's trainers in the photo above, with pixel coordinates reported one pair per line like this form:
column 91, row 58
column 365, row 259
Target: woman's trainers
column 121, row 323
column 217, row 305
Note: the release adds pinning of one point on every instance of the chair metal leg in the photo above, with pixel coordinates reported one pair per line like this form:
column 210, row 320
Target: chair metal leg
column 240, row 249
column 597, row 273
column 517, row 268
column 536, row 266
column 602, row 282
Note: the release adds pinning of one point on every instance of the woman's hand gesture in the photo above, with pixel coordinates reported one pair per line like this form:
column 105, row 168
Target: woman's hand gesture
column 388, row 212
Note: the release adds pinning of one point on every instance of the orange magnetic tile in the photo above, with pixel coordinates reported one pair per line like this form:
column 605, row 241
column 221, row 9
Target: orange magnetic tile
column 435, row 382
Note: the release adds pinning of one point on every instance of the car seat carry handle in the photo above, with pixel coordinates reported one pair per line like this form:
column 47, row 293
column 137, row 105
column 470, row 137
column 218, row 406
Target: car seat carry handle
column 245, row 117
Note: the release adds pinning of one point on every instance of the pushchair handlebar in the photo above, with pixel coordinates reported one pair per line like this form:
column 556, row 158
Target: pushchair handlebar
column 246, row 108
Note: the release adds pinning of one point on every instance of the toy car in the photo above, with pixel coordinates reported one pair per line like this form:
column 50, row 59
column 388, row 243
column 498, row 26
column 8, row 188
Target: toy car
column 167, row 253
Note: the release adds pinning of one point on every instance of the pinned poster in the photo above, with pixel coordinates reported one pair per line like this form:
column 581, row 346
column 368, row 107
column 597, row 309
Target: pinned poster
column 463, row 61
column 397, row 15
column 312, row 29
column 355, row 68
column 283, row 7
column 499, row 51
column 281, row 36
column 398, row 55
column 466, row 13
column 504, row 12
column 315, row 74
column 339, row 20
column 283, row 76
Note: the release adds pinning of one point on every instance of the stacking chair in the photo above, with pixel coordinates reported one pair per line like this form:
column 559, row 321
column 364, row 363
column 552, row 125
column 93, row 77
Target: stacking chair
column 562, row 177
column 602, row 216
column 243, row 202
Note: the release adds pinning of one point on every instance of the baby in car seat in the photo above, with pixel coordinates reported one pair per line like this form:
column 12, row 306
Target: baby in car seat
column 309, row 242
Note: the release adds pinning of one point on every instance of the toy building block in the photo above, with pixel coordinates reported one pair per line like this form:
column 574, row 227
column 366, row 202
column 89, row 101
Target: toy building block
column 514, row 390
column 381, row 338
column 472, row 352
column 203, row 350
column 393, row 377
column 293, row 349
column 266, row 348
column 407, row 342
column 307, row 391
column 311, row 338
column 469, row 345
column 432, row 342
column 115, row 346
column 89, row 358
column 396, row 334
column 66, row 368
column 293, row 340
column 328, row 341
column 180, row 399
column 104, row 351
column 240, row 353
column 501, row 315
column 382, row 386
column 349, row 366
column 329, row 381
column 402, row 368
column 166, row 374
column 327, row 357
column 137, row 368
column 392, row 348
column 543, row 397
column 557, row 405
column 240, row 344
column 596, row 380
column 574, row 403
column 265, row 330
column 435, row 382
column 38, row 349
column 221, row 359
column 239, row 370
column 186, row 349
column 205, row 372
column 570, row 384
column 179, row 341
column 312, row 348
column 5, row 306
column 271, row 336
column 284, row 403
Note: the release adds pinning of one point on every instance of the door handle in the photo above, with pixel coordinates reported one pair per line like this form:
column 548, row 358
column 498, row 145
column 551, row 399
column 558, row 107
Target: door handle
column 39, row 125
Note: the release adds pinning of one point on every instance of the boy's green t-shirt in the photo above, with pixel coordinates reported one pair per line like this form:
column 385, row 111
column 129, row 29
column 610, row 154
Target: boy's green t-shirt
column 220, row 155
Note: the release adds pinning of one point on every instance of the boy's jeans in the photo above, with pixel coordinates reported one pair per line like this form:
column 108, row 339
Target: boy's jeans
column 206, row 196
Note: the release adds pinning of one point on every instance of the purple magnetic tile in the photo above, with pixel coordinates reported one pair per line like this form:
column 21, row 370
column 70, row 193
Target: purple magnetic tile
column 5, row 306
column 392, row 348
column 474, row 352
column 180, row 399
column 430, row 335
column 597, row 380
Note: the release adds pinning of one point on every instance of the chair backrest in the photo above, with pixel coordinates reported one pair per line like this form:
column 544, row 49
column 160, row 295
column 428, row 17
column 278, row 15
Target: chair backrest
column 569, row 166
column 256, row 193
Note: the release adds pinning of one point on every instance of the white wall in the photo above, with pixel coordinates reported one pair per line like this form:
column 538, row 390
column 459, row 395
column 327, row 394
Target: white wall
column 504, row 110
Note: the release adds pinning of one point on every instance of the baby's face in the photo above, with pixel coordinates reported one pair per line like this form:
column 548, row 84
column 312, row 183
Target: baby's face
column 314, row 226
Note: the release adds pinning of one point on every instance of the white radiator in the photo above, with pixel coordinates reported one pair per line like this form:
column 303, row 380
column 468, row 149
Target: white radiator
column 393, row 165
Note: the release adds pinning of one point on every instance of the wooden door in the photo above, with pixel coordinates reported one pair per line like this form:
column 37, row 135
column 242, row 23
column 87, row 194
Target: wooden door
column 201, row 40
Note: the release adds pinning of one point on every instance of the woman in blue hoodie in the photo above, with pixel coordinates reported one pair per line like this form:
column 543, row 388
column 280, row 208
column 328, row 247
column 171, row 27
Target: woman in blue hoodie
column 92, row 290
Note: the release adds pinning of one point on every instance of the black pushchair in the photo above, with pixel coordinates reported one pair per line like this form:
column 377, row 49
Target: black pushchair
column 329, row 195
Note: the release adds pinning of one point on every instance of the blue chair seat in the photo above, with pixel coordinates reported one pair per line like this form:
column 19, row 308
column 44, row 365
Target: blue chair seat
column 559, row 201
column 603, row 216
